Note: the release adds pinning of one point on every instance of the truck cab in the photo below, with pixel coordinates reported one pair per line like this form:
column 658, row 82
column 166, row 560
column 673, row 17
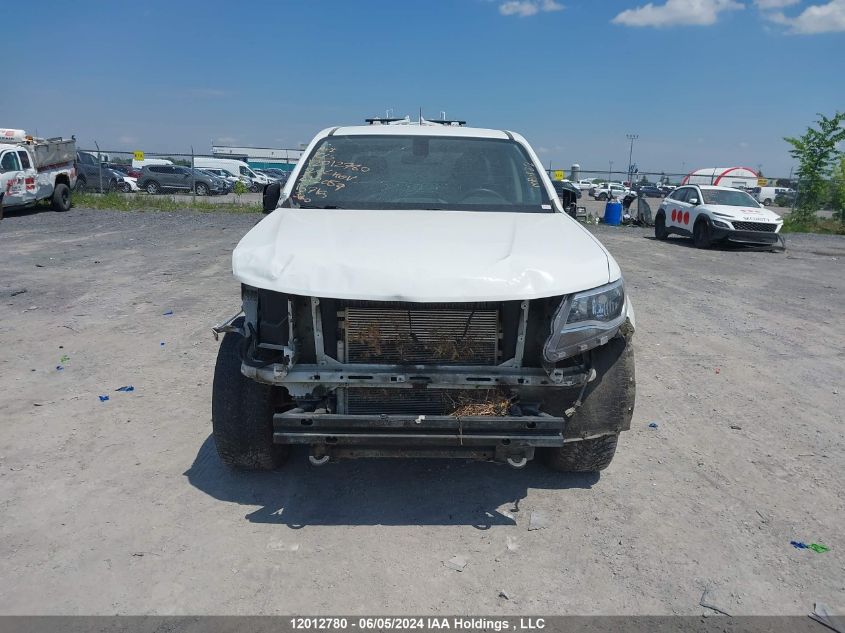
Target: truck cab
column 18, row 176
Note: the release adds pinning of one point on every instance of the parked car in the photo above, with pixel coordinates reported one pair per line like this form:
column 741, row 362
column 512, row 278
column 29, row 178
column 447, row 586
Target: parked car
column 710, row 214
column 650, row 191
column 238, row 167
column 585, row 185
column 91, row 174
column 606, row 191
column 786, row 198
column 278, row 174
column 160, row 178
column 356, row 351
column 228, row 176
column 226, row 184
column 764, row 195
column 270, row 177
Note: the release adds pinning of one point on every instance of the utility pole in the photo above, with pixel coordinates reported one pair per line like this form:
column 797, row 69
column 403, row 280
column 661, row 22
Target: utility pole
column 609, row 170
column 632, row 138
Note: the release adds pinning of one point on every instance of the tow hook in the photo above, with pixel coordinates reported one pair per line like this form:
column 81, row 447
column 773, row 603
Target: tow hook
column 318, row 460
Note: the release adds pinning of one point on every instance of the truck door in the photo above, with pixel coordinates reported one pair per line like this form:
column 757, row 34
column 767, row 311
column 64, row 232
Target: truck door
column 30, row 176
column 12, row 179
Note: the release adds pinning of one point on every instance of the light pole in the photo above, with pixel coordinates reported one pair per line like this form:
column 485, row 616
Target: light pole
column 632, row 138
column 609, row 170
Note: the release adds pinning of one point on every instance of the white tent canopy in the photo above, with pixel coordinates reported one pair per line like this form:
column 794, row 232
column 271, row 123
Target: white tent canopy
column 724, row 176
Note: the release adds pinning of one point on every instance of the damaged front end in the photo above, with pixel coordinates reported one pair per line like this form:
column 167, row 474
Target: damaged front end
column 477, row 380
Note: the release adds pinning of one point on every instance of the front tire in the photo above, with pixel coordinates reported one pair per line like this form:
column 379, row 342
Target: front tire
column 202, row 189
column 583, row 456
column 242, row 413
column 61, row 197
column 81, row 185
column 767, row 202
column 153, row 188
column 602, row 197
column 660, row 231
column 125, row 187
column 701, row 234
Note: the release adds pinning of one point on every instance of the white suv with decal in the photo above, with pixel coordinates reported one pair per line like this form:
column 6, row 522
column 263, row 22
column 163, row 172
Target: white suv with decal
column 709, row 214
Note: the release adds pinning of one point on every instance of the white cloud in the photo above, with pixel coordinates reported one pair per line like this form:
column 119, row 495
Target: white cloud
column 127, row 140
column 677, row 12
column 768, row 5
column 817, row 18
column 524, row 8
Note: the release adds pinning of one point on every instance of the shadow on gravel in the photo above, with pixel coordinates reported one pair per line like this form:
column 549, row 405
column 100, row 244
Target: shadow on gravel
column 378, row 492
column 729, row 247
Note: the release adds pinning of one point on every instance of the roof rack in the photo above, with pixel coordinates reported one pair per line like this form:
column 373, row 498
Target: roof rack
column 447, row 121
column 383, row 120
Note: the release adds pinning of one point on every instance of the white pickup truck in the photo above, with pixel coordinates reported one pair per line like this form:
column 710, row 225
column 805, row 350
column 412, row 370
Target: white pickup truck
column 34, row 169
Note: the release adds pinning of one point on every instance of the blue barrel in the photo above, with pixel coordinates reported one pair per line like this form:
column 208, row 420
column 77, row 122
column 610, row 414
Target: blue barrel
column 613, row 213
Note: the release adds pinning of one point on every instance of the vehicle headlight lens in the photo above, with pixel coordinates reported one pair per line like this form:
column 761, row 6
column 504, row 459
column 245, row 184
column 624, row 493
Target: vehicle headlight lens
column 586, row 320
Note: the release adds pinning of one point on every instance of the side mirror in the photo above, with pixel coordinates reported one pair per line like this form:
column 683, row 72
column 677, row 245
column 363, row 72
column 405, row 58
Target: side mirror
column 271, row 196
column 693, row 200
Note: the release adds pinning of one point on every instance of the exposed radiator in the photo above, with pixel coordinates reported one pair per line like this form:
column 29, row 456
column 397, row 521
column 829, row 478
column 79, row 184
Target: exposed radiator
column 368, row 401
column 421, row 336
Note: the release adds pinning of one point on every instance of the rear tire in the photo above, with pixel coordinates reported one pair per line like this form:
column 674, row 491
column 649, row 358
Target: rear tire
column 767, row 202
column 701, row 234
column 602, row 197
column 153, row 188
column 81, row 185
column 61, row 197
column 242, row 413
column 660, row 231
column 583, row 456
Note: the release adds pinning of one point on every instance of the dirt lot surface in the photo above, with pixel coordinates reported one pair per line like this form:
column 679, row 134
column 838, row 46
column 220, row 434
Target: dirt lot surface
column 123, row 507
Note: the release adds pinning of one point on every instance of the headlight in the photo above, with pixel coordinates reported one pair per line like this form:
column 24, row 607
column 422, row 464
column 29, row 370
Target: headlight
column 586, row 320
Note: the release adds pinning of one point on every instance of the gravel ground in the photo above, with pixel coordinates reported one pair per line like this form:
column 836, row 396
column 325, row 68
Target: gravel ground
column 123, row 507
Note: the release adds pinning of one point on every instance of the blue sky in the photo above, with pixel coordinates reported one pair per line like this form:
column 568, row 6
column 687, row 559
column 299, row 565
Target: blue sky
column 703, row 82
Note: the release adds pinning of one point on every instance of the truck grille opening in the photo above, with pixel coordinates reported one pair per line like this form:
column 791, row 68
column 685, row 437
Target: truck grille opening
column 368, row 401
column 421, row 336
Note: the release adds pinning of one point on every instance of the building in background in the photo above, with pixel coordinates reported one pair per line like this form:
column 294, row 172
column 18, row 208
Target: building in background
column 259, row 157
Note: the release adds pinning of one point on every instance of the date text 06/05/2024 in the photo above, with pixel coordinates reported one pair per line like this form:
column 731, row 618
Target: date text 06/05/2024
column 417, row 623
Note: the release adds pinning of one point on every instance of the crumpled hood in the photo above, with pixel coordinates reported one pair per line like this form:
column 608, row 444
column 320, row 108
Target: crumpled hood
column 746, row 214
column 421, row 256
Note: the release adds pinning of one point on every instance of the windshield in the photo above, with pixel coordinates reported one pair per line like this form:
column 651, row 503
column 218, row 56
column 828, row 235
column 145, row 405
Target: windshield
column 728, row 198
column 420, row 172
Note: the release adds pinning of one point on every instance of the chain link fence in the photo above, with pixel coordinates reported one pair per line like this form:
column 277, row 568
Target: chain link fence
column 199, row 174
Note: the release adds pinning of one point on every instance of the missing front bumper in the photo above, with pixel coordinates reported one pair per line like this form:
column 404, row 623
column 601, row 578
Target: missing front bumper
column 505, row 438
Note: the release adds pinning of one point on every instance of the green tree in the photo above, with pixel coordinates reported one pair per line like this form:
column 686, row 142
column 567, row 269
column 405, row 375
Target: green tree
column 837, row 187
column 816, row 152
